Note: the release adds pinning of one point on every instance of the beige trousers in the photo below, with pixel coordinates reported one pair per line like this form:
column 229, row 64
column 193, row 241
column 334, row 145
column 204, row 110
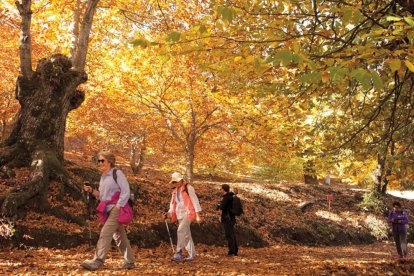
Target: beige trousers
column 184, row 239
column 109, row 230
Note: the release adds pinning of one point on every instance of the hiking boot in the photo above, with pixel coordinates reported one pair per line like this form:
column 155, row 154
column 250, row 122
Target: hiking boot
column 178, row 257
column 92, row 265
column 128, row 266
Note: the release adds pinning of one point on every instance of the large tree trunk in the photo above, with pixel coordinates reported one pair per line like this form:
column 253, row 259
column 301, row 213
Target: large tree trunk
column 37, row 138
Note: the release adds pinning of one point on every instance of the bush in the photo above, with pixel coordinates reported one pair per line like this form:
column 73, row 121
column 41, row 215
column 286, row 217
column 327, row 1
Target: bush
column 373, row 201
column 377, row 227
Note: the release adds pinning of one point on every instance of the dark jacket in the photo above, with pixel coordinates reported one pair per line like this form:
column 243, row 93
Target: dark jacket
column 225, row 207
column 398, row 220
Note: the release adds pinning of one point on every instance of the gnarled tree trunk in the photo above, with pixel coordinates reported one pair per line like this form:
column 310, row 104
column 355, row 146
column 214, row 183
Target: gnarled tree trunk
column 46, row 97
column 37, row 138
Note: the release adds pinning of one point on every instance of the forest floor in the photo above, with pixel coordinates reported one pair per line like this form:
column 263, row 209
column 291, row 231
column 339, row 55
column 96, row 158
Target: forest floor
column 288, row 228
column 373, row 259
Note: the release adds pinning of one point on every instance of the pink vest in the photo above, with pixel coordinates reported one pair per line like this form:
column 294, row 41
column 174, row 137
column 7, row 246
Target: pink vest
column 189, row 207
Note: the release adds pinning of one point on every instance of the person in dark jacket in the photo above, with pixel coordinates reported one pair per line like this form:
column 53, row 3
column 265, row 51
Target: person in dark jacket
column 398, row 220
column 228, row 219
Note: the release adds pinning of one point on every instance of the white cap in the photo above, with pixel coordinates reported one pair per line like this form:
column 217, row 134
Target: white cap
column 176, row 177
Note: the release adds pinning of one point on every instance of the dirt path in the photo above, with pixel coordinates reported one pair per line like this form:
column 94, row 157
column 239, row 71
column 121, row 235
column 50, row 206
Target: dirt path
column 375, row 259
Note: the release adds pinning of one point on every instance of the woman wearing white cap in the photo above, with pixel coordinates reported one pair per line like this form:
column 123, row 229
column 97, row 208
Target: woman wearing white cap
column 185, row 208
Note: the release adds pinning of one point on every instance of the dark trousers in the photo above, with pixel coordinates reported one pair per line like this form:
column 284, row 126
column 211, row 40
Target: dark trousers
column 400, row 238
column 231, row 237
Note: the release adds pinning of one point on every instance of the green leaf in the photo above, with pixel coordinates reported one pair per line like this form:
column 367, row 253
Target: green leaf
column 363, row 77
column 227, row 13
column 357, row 17
column 376, row 80
column 393, row 18
column 394, row 64
column 140, row 42
column 409, row 65
column 346, row 16
column 285, row 56
column 409, row 20
column 202, row 29
column 410, row 35
column 314, row 77
column 174, row 36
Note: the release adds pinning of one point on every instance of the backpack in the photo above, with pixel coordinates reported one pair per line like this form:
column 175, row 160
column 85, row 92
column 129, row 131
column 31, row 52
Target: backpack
column 131, row 196
column 237, row 206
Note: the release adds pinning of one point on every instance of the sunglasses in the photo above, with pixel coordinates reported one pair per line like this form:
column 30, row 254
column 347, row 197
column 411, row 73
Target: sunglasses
column 101, row 160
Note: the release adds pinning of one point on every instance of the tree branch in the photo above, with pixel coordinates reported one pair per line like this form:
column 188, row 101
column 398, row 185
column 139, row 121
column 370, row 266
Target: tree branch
column 76, row 20
column 25, row 39
column 79, row 59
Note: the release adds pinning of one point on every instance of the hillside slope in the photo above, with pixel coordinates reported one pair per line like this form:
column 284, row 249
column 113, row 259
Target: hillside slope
column 273, row 215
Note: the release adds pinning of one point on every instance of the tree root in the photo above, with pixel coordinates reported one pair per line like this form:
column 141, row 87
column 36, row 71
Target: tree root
column 44, row 167
column 59, row 212
column 37, row 184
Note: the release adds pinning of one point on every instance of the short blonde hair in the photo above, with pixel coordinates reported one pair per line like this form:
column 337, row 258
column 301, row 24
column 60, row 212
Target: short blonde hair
column 110, row 157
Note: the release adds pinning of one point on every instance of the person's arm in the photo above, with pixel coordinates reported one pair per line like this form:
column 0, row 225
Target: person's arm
column 390, row 219
column 124, row 186
column 195, row 201
column 225, row 202
column 405, row 218
column 91, row 190
column 194, row 198
column 170, row 210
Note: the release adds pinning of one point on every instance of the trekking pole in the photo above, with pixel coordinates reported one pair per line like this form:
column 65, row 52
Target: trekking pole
column 169, row 233
column 89, row 214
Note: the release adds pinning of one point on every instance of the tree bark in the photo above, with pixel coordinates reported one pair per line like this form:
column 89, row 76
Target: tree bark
column 46, row 96
column 79, row 59
column 38, row 134
column 136, row 160
column 25, row 37
column 190, row 155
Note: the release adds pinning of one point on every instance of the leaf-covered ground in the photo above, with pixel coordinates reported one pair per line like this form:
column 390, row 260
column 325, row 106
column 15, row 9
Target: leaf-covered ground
column 374, row 259
column 277, row 237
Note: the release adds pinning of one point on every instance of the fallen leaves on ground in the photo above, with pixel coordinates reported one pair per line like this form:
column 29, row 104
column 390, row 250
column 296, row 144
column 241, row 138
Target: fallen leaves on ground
column 374, row 259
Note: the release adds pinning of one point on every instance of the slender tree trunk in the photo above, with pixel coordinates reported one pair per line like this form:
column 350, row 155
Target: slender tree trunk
column 190, row 155
column 3, row 129
column 388, row 170
column 137, row 160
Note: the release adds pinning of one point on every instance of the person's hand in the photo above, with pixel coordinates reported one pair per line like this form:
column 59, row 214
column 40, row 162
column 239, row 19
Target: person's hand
column 198, row 218
column 117, row 206
column 87, row 189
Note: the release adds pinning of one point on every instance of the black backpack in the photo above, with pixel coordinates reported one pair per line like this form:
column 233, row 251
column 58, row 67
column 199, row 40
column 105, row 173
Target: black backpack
column 237, row 206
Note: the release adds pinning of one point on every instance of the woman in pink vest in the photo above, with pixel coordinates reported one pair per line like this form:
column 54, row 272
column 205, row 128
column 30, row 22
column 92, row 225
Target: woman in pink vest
column 184, row 208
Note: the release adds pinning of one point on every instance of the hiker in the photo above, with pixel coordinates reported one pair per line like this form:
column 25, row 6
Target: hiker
column 228, row 219
column 398, row 220
column 327, row 180
column 113, row 195
column 185, row 208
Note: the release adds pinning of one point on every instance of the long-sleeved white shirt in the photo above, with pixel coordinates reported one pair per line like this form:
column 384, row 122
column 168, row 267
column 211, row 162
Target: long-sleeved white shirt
column 108, row 187
column 180, row 208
